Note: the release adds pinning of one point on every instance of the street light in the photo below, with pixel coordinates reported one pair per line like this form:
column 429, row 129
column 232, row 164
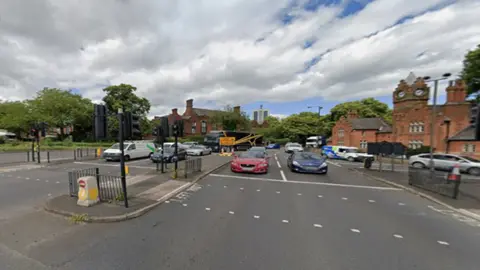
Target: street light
column 434, row 113
column 319, row 108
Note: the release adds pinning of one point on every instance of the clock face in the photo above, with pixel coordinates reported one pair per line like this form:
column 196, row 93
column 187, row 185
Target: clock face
column 419, row 92
column 401, row 94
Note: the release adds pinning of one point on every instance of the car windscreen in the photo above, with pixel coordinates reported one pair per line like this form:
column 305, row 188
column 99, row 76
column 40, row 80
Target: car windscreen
column 169, row 150
column 197, row 147
column 351, row 150
column 471, row 159
column 308, row 156
column 294, row 145
column 117, row 146
column 252, row 154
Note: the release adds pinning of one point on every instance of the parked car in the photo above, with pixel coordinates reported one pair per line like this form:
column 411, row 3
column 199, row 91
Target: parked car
column 131, row 150
column 307, row 162
column 190, row 144
column 198, row 150
column 170, row 145
column 273, row 146
column 169, row 155
column 291, row 147
column 445, row 162
column 344, row 152
column 250, row 161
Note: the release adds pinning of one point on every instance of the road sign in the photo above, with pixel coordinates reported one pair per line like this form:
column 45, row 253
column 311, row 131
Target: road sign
column 227, row 140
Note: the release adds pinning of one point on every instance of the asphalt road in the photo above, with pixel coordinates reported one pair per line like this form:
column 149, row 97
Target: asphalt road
column 273, row 221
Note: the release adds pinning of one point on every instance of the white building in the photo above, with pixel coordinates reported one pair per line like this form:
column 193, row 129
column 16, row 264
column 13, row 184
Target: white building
column 260, row 115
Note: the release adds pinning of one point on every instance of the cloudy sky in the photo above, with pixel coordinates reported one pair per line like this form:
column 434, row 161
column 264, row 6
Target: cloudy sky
column 285, row 54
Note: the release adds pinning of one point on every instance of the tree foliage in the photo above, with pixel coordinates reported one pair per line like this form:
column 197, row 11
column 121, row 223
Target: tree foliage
column 471, row 70
column 230, row 120
column 15, row 117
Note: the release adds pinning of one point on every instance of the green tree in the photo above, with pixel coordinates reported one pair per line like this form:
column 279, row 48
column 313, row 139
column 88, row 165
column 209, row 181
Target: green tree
column 471, row 70
column 299, row 126
column 15, row 117
column 60, row 109
column 230, row 120
column 368, row 107
column 123, row 96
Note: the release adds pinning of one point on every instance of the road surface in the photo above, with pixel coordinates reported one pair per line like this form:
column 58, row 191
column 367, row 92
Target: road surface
column 280, row 220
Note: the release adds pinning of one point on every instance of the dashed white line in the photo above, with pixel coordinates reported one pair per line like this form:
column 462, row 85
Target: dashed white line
column 278, row 192
column 319, row 196
column 224, row 186
column 299, row 194
column 49, row 194
column 258, row 190
column 167, row 201
column 37, row 179
column 285, row 221
column 58, row 182
column 231, row 212
column 256, row 217
column 334, row 163
column 46, row 181
column 27, row 178
column 241, row 188
column 372, row 201
column 344, row 198
column 443, row 243
column 355, row 230
column 278, row 164
column 317, row 225
column 397, row 236
column 184, row 204
column 401, row 204
column 283, row 175
column 207, row 209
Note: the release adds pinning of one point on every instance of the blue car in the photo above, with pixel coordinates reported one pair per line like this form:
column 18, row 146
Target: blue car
column 273, row 146
column 307, row 162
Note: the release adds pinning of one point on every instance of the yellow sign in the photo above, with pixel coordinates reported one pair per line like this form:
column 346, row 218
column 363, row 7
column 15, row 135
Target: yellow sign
column 227, row 141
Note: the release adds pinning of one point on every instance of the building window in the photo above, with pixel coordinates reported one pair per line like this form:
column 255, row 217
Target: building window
column 415, row 144
column 340, row 143
column 204, row 127
column 469, row 148
column 363, row 144
column 194, row 127
column 417, row 127
column 341, row 133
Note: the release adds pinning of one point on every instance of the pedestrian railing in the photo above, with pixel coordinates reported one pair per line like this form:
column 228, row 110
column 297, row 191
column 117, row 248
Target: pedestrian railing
column 192, row 165
column 435, row 181
column 109, row 186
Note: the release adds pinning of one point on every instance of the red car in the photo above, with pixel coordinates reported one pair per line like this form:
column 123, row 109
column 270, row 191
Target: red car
column 250, row 161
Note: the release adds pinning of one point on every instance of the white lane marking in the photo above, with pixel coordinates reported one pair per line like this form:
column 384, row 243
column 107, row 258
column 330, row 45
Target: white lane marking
column 401, row 204
column 208, row 209
column 241, row 188
column 19, row 177
column 303, row 182
column 285, row 221
column 258, row 190
column 278, row 192
column 173, row 192
column 38, row 179
column 443, row 243
column 208, row 185
column 283, row 175
column 27, row 178
column 46, row 181
column 224, row 186
column 167, row 201
column 278, row 164
column 58, row 182
column 317, row 225
column 256, row 216
column 231, row 212
column 276, row 158
column 319, row 196
column 355, row 230
column 372, row 201
column 49, row 194
column 299, row 194
column 397, row 236
column 184, row 204
column 334, row 163
column 344, row 198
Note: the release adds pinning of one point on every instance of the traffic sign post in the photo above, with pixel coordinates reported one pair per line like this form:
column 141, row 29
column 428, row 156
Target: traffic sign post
column 228, row 142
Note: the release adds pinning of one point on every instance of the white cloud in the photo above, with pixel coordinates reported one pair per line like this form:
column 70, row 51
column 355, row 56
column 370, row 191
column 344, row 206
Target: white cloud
column 279, row 116
column 232, row 52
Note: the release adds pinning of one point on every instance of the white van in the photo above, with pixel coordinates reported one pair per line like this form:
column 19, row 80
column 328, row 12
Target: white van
column 132, row 149
column 314, row 141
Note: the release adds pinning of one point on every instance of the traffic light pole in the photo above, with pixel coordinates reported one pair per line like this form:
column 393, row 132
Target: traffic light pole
column 38, row 147
column 176, row 150
column 122, row 157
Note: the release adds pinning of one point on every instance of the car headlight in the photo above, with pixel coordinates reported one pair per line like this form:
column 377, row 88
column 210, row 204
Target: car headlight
column 295, row 163
column 324, row 164
column 263, row 165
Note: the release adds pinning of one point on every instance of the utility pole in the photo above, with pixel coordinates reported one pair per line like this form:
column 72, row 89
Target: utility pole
column 319, row 109
column 122, row 156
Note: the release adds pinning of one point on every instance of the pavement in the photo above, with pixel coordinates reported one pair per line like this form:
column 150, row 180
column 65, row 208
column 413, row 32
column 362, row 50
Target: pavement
column 25, row 157
column 280, row 220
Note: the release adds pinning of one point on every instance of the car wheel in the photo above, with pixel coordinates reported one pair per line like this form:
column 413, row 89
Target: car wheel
column 351, row 159
column 474, row 171
column 201, row 153
column 150, row 155
column 418, row 165
column 127, row 158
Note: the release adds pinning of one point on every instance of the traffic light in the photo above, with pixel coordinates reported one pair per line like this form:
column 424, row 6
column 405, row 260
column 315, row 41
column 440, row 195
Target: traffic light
column 136, row 129
column 165, row 126
column 100, row 121
column 475, row 121
column 33, row 132
column 43, row 129
column 179, row 125
column 131, row 126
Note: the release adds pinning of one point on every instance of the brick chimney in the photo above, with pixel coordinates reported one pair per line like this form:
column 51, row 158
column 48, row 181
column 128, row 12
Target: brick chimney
column 175, row 111
column 352, row 114
column 189, row 108
column 236, row 109
column 456, row 91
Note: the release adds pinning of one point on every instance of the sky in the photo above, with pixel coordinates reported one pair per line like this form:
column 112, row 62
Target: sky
column 285, row 54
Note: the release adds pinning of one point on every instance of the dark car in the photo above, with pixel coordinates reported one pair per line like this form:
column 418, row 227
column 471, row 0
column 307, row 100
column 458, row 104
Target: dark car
column 307, row 162
column 168, row 155
column 251, row 162
column 260, row 149
column 273, row 146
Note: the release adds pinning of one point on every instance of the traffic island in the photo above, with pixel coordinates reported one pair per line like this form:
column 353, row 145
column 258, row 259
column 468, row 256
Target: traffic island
column 143, row 196
column 467, row 203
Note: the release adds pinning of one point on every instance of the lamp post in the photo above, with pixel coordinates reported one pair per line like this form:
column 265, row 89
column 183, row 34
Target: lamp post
column 447, row 121
column 122, row 155
column 319, row 108
column 434, row 113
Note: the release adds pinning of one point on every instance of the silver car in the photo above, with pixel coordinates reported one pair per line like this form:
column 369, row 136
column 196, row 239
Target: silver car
column 198, row 150
column 445, row 162
column 292, row 147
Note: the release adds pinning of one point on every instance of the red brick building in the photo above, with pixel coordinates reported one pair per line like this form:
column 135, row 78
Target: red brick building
column 411, row 121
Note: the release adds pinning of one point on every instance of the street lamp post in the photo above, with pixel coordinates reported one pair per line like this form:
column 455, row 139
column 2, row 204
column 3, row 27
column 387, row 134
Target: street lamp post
column 447, row 121
column 319, row 108
column 433, row 115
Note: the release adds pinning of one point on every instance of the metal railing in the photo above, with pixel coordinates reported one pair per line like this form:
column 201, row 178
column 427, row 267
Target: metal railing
column 192, row 165
column 48, row 156
column 436, row 182
column 109, row 186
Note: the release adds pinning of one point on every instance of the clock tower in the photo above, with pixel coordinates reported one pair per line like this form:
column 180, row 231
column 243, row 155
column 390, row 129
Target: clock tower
column 411, row 89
